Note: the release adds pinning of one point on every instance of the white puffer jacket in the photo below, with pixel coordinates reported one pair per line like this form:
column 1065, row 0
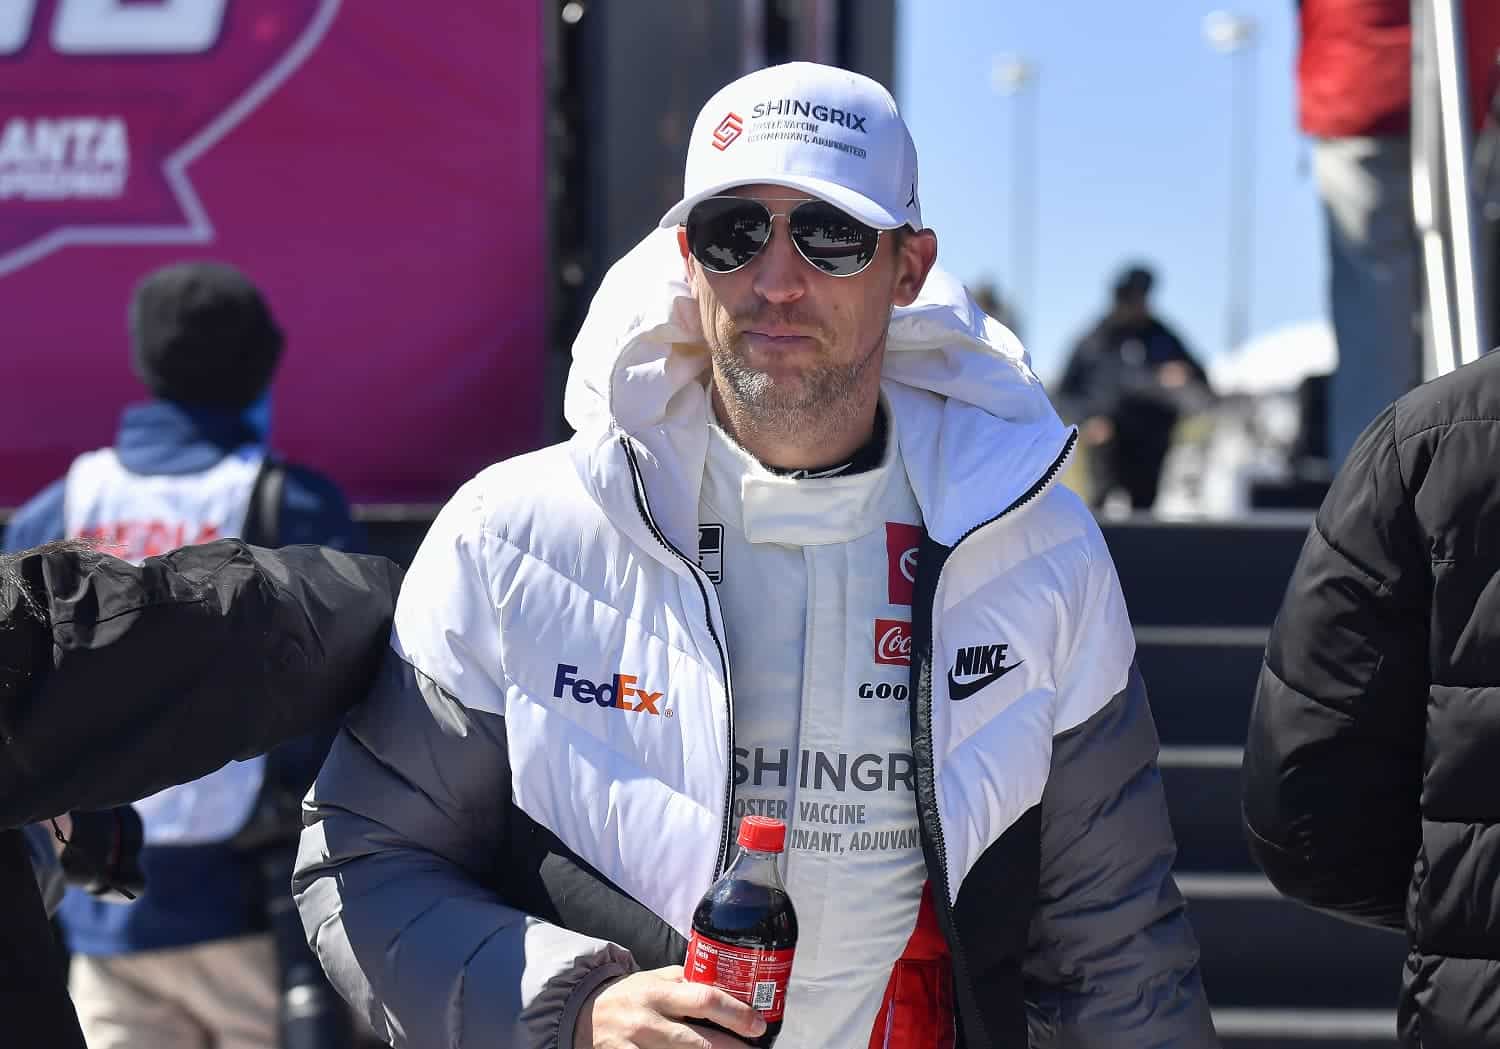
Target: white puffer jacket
column 482, row 850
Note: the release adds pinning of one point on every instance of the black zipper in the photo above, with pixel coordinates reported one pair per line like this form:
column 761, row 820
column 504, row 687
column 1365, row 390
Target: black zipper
column 645, row 512
column 1031, row 493
column 940, row 847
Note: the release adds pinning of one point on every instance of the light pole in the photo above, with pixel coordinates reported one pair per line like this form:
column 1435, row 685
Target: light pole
column 1010, row 76
column 1234, row 35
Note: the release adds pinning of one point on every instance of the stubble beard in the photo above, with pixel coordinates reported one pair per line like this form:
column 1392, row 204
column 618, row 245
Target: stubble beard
column 822, row 399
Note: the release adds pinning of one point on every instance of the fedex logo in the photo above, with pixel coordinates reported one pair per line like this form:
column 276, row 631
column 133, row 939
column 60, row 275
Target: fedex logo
column 901, row 544
column 620, row 691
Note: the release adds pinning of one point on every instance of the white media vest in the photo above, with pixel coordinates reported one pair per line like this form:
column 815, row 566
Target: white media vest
column 136, row 516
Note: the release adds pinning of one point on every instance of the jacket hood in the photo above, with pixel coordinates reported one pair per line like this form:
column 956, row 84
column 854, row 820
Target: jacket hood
column 165, row 437
column 975, row 426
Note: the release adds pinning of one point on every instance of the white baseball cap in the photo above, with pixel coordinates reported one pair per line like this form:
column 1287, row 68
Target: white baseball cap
column 823, row 130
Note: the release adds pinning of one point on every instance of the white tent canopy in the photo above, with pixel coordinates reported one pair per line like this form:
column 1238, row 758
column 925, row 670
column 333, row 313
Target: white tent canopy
column 1277, row 361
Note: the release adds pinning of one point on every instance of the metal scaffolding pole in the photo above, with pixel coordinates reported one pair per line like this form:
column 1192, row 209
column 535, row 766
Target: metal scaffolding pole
column 1235, row 36
column 1017, row 79
column 1442, row 204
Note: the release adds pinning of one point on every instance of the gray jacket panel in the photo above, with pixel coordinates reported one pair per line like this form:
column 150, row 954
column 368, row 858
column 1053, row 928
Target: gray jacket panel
column 401, row 831
column 1113, row 961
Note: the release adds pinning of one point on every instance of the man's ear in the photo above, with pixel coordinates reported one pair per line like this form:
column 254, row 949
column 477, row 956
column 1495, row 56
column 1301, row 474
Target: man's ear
column 915, row 258
column 682, row 246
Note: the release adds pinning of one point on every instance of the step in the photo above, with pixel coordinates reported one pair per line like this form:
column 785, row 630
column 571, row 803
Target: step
column 1201, row 680
column 1306, row 494
column 1269, row 1028
column 1260, row 949
column 1221, row 573
column 1202, row 785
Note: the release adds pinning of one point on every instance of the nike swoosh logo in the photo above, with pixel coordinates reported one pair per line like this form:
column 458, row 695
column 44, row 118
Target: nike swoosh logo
column 959, row 691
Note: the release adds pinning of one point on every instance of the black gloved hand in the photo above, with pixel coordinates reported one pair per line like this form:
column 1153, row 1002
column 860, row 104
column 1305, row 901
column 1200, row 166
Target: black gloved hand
column 103, row 853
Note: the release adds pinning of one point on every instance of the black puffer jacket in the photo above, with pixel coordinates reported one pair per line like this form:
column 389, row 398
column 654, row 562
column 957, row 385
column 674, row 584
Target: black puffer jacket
column 1372, row 769
column 118, row 680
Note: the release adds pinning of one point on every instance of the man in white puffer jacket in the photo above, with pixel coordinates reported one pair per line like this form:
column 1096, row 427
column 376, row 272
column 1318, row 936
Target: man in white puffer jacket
column 805, row 556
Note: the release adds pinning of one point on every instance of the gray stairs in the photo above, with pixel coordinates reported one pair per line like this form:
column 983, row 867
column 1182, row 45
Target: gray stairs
column 1280, row 976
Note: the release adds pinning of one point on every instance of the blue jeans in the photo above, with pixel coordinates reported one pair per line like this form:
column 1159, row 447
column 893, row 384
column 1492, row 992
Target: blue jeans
column 1374, row 273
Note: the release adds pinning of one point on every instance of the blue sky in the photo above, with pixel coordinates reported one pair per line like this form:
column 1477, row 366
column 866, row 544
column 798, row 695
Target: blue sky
column 1133, row 159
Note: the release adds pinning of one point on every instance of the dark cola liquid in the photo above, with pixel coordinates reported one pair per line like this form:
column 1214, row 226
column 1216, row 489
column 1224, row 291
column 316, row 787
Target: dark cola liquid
column 745, row 914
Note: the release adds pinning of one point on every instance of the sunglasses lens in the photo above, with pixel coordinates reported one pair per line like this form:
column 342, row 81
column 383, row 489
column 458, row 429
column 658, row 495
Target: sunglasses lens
column 831, row 240
column 724, row 233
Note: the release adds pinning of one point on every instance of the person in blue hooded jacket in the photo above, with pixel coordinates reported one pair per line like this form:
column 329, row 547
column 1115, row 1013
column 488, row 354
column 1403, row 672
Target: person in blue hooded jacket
column 195, row 954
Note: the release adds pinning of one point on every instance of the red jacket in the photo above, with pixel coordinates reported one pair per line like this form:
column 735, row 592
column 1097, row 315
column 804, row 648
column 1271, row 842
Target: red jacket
column 1354, row 64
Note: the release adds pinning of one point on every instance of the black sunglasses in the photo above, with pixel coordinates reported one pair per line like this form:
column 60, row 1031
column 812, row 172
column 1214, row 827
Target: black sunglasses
column 725, row 233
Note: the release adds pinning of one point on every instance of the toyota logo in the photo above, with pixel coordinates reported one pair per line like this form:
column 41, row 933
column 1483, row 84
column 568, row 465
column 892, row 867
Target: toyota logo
column 909, row 565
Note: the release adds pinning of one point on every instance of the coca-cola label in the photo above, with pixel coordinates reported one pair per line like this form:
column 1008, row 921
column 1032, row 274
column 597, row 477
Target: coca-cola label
column 756, row 976
column 901, row 543
column 893, row 642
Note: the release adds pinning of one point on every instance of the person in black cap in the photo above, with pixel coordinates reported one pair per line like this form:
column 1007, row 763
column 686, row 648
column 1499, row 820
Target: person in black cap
column 202, row 334
column 196, row 952
column 1127, row 383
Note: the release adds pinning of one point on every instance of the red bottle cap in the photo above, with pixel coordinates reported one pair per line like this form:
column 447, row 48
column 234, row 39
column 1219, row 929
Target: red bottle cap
column 762, row 833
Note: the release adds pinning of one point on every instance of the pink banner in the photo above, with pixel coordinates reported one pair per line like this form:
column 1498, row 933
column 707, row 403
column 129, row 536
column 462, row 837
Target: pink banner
column 376, row 166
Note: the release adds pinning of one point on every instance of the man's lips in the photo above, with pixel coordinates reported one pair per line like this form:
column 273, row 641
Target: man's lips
column 777, row 337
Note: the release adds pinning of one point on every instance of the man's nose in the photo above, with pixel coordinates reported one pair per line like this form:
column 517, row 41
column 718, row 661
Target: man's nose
column 780, row 272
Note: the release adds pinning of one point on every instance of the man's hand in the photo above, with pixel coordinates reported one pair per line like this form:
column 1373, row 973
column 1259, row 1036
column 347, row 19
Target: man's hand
column 1174, row 375
column 62, row 830
column 653, row 1010
column 1097, row 430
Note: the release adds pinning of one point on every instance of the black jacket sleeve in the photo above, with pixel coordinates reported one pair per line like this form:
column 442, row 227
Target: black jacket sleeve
column 118, row 680
column 1332, row 768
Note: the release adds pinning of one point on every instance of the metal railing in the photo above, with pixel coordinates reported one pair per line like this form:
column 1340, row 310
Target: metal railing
column 1442, row 200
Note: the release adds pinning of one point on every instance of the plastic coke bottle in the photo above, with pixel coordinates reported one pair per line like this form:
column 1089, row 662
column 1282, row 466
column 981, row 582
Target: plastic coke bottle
column 745, row 930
